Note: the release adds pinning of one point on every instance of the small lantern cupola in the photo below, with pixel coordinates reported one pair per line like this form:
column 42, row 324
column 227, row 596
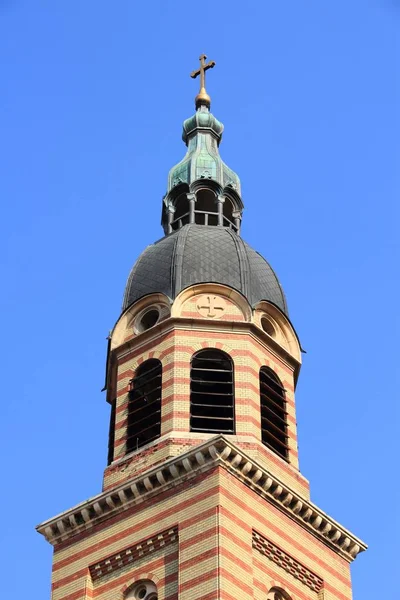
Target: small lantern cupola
column 202, row 189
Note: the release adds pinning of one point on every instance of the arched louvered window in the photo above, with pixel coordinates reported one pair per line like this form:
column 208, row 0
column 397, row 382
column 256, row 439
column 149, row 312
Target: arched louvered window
column 211, row 392
column 144, row 407
column 273, row 412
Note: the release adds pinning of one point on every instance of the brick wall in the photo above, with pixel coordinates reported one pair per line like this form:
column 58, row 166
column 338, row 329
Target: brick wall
column 211, row 537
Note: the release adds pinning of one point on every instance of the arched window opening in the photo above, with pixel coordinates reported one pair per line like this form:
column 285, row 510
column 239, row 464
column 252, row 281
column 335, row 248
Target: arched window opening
column 206, row 210
column 144, row 407
column 273, row 412
column 227, row 212
column 182, row 209
column 211, row 393
column 142, row 590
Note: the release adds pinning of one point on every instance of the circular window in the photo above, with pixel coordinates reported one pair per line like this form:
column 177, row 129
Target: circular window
column 143, row 590
column 147, row 320
column 268, row 327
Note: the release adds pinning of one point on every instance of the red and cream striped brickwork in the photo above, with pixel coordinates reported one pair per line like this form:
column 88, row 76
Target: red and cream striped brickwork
column 174, row 346
column 211, row 536
column 197, row 541
column 175, row 352
column 174, row 349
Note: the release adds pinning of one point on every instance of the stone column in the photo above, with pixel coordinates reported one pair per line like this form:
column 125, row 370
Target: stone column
column 220, row 204
column 171, row 212
column 237, row 218
column 192, row 200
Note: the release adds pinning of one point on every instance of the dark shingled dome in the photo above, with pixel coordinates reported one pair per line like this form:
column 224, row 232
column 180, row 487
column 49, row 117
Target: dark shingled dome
column 201, row 254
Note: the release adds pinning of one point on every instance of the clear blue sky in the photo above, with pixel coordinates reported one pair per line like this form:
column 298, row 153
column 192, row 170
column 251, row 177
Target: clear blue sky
column 92, row 98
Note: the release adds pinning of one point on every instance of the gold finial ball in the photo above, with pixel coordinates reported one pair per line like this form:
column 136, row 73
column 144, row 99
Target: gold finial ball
column 202, row 99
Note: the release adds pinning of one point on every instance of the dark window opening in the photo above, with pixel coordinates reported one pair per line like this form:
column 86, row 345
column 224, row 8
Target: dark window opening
column 181, row 216
column 148, row 320
column 267, row 326
column 144, row 407
column 211, row 393
column 111, row 434
column 228, row 210
column 273, row 413
column 206, row 201
column 206, row 209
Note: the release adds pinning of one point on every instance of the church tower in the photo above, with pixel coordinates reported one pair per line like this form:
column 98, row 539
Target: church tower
column 202, row 498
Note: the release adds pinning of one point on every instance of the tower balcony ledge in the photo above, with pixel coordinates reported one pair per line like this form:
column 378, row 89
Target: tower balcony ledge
column 216, row 452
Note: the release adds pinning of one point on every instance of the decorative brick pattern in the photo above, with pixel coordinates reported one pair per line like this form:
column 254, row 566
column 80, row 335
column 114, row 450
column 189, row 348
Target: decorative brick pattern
column 133, row 553
column 287, row 562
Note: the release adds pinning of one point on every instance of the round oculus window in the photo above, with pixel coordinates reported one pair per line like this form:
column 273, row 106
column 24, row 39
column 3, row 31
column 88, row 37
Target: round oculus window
column 268, row 327
column 147, row 319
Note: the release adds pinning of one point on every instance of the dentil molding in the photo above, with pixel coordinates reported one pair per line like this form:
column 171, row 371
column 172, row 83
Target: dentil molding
column 218, row 451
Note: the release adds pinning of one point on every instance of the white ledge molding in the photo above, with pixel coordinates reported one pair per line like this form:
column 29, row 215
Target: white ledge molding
column 218, row 451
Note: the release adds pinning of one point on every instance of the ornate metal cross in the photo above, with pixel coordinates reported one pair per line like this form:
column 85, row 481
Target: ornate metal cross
column 210, row 306
column 202, row 97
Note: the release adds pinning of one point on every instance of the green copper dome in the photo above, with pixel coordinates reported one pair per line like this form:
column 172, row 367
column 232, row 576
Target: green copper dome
column 202, row 134
column 202, row 119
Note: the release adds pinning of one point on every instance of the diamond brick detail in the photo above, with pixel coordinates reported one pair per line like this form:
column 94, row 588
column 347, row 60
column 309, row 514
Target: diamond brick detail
column 287, row 562
column 121, row 559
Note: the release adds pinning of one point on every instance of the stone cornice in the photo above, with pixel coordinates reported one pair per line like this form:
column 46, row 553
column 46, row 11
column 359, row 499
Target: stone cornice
column 218, row 451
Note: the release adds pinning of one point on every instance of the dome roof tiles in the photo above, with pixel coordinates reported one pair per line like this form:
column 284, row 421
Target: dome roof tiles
column 200, row 254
